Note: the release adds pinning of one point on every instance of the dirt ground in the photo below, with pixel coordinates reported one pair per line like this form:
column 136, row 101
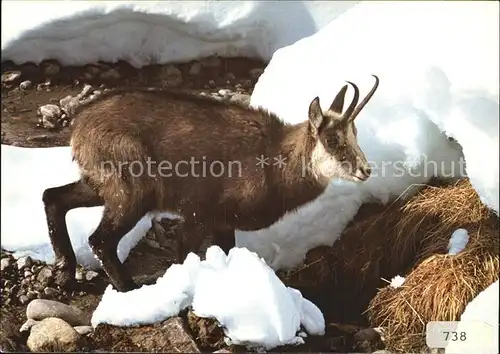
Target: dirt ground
column 27, row 87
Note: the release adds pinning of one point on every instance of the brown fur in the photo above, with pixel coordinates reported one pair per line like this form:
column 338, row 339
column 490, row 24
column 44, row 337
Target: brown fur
column 133, row 128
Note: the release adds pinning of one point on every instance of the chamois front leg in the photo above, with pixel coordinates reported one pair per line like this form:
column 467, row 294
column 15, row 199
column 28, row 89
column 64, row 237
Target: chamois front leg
column 224, row 238
column 104, row 243
column 58, row 201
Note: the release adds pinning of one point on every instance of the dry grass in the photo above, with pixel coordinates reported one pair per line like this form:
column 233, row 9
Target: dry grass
column 438, row 286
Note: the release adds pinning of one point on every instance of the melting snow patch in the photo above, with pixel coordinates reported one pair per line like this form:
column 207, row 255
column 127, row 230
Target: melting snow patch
column 239, row 290
column 458, row 241
column 397, row 281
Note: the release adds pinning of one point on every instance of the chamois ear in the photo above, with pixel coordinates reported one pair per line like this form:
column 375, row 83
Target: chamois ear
column 316, row 118
column 338, row 102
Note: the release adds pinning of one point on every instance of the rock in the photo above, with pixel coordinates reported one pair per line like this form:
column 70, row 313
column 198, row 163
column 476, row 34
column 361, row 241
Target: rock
column 53, row 335
column 69, row 105
column 50, row 291
column 41, row 308
column 44, row 276
column 170, row 336
column 79, row 274
column 256, row 73
column 38, row 137
column 23, row 299
column 224, row 93
column 111, row 74
column 25, row 85
column 240, row 98
column 84, row 330
column 90, row 275
column 50, row 115
column 229, row 77
column 31, row 295
column 27, row 325
column 171, row 76
column 11, row 76
column 5, row 264
column 27, row 274
column 367, row 334
column 50, row 68
column 211, row 61
column 195, row 69
column 24, row 262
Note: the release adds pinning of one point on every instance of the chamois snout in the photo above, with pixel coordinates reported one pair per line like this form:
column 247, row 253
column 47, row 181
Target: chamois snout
column 337, row 153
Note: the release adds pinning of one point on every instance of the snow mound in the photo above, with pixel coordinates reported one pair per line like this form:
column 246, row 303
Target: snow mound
column 430, row 89
column 156, row 32
column 484, row 308
column 26, row 173
column 458, row 241
column 239, row 290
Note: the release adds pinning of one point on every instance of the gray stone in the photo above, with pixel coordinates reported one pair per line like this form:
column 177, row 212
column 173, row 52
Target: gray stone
column 240, row 98
column 5, row 264
column 90, row 275
column 24, row 262
column 50, row 115
column 23, row 299
column 53, row 335
column 44, row 276
column 27, row 325
column 84, row 330
column 42, row 308
column 25, row 85
column 11, row 76
column 69, row 105
column 50, row 291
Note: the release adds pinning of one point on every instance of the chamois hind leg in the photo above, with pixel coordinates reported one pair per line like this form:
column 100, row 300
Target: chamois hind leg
column 104, row 243
column 58, row 201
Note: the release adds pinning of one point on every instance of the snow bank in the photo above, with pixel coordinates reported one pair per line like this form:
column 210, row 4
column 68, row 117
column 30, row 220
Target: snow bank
column 26, row 173
column 484, row 308
column 435, row 74
column 239, row 290
column 156, row 32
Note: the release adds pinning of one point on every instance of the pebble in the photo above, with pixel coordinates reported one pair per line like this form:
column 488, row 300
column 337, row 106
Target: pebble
column 50, row 115
column 23, row 299
column 44, row 276
column 27, row 325
column 90, row 275
column 50, row 291
column 24, row 262
column 10, row 76
column 25, row 85
column 53, row 335
column 240, row 98
column 84, row 330
column 42, row 308
column 27, row 274
column 69, row 104
column 31, row 295
column 5, row 264
column 79, row 274
column 225, row 93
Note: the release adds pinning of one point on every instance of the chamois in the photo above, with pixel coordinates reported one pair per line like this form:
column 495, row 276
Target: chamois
column 145, row 152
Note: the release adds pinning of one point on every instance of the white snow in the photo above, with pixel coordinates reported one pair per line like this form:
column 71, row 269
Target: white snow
column 483, row 308
column 239, row 290
column 397, row 281
column 156, row 32
column 26, row 173
column 435, row 75
column 458, row 241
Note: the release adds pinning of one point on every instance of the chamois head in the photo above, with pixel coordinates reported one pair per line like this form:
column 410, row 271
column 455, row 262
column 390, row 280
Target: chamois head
column 336, row 152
